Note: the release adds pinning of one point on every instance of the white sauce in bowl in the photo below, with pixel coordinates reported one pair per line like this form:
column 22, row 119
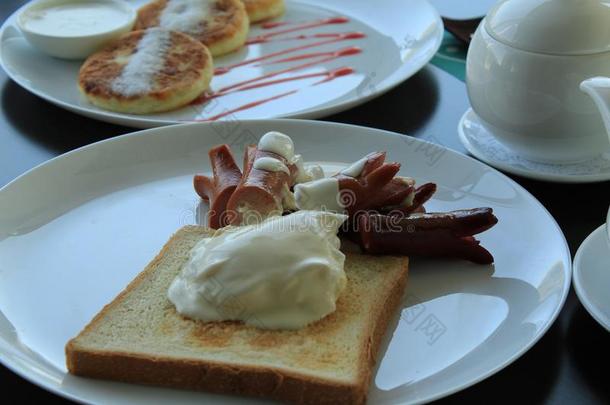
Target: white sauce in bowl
column 75, row 19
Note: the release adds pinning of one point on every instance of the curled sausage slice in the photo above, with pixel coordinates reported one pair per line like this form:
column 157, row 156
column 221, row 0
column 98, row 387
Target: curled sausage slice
column 364, row 166
column 261, row 192
column 364, row 192
column 397, row 194
column 419, row 197
column 218, row 189
column 369, row 184
column 381, row 189
column 448, row 234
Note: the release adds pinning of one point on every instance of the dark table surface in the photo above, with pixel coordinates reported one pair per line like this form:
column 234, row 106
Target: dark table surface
column 566, row 366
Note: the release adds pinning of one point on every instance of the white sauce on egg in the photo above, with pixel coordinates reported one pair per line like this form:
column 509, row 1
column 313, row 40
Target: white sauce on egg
column 319, row 195
column 307, row 172
column 271, row 165
column 283, row 273
column 314, row 171
column 279, row 143
column 355, row 168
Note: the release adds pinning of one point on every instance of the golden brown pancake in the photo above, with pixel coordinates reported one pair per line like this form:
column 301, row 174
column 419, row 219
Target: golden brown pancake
column 260, row 10
column 147, row 71
column 221, row 25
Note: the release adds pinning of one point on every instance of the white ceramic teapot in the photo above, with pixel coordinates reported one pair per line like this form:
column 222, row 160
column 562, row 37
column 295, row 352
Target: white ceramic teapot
column 526, row 67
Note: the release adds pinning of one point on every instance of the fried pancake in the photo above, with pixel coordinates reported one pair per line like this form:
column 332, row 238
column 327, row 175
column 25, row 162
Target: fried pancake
column 221, row 25
column 147, row 71
column 260, row 10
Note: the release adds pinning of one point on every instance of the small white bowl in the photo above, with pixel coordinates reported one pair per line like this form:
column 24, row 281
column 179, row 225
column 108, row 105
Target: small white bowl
column 72, row 45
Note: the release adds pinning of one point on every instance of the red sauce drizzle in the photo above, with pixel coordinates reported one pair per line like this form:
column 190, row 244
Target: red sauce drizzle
column 330, row 75
column 333, row 56
column 343, row 71
column 300, row 26
column 247, row 106
column 261, row 81
column 339, row 37
column 274, row 24
column 257, row 83
column 352, row 50
column 259, row 40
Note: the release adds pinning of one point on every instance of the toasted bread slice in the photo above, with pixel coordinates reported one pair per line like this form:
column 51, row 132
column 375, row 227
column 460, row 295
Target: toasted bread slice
column 221, row 25
column 260, row 10
column 147, row 71
column 140, row 338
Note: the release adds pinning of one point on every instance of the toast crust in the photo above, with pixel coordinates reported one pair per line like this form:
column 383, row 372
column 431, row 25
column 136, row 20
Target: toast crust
column 224, row 378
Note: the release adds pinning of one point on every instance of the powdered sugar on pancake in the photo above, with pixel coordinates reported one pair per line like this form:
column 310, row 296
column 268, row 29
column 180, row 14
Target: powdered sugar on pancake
column 145, row 63
column 185, row 15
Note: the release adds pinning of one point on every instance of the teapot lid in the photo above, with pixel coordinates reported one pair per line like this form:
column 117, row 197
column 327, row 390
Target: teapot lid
column 560, row 27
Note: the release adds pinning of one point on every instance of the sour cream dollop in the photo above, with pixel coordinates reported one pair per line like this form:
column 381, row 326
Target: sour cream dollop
column 283, row 273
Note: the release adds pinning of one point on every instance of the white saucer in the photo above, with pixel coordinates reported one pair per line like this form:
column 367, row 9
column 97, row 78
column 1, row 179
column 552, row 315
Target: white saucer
column 482, row 144
column 592, row 275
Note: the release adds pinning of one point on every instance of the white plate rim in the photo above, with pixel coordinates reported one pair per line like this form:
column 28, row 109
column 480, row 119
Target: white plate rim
column 579, row 288
column 568, row 276
column 555, row 178
column 401, row 74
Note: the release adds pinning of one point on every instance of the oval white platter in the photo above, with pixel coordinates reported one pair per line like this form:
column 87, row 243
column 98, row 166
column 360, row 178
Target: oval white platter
column 75, row 230
column 401, row 37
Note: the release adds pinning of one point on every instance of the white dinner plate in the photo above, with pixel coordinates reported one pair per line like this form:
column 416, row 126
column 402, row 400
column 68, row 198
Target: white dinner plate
column 401, row 37
column 592, row 275
column 75, row 230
